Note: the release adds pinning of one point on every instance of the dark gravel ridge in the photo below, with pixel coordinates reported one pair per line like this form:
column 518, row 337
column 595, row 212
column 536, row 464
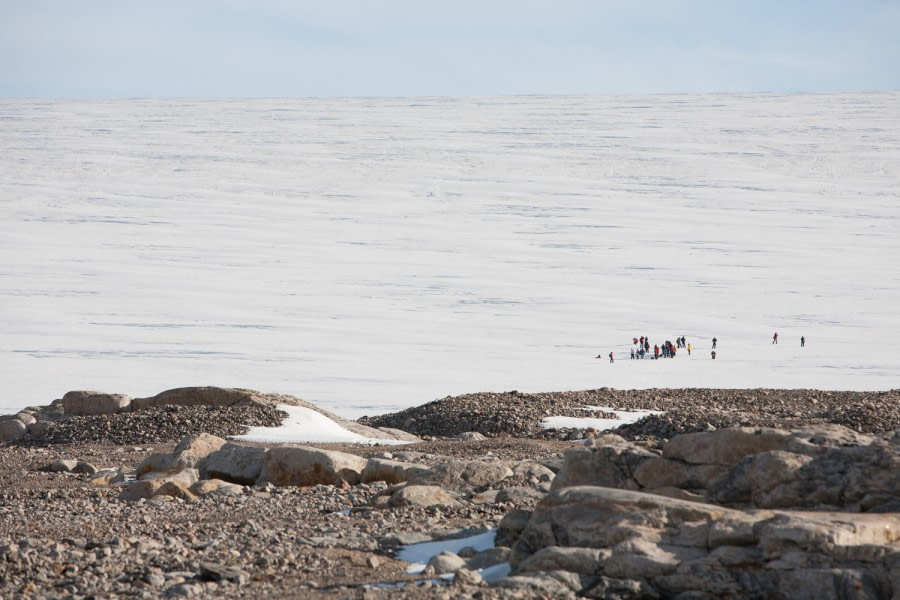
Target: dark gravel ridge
column 686, row 410
column 155, row 425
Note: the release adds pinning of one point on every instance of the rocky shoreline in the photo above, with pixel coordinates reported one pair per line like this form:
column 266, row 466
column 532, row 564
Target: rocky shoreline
column 92, row 505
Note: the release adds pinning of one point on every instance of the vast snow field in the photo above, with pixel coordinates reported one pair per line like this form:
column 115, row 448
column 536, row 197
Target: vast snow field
column 373, row 254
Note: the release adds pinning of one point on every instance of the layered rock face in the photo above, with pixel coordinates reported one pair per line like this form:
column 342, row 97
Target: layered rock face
column 740, row 513
column 618, row 540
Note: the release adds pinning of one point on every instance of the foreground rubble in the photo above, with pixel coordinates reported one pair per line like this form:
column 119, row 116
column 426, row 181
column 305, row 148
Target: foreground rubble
column 747, row 512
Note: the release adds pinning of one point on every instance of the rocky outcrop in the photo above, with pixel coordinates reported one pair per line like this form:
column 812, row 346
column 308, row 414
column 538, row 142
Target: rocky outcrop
column 633, row 540
column 823, row 468
column 684, row 410
column 389, row 471
column 95, row 403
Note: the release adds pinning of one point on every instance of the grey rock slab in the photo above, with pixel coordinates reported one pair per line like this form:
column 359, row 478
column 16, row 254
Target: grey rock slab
column 236, row 463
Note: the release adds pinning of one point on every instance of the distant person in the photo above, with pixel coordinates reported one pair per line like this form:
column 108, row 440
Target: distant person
column 775, row 338
column 714, row 343
column 610, row 357
column 689, row 349
column 713, row 353
column 632, row 353
column 802, row 341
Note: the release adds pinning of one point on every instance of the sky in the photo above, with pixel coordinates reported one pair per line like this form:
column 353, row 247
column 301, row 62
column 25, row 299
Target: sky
column 283, row 48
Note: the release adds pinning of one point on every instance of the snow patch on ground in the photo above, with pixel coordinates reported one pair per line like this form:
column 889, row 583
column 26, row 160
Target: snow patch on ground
column 624, row 417
column 420, row 554
column 305, row 425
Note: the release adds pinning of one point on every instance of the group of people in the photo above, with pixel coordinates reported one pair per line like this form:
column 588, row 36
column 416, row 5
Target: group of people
column 641, row 347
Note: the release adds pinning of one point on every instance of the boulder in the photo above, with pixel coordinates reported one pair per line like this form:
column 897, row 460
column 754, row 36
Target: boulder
column 456, row 474
column 60, row 466
column 422, row 496
column 389, row 471
column 527, row 469
column 299, row 465
column 466, row 576
column 585, row 561
column 724, row 446
column 609, row 461
column 236, row 463
column 26, row 418
column 188, row 453
column 216, row 487
column 511, row 526
column 445, row 562
column 176, row 485
column 480, row 473
column 11, row 429
column 108, row 477
column 95, row 403
column 197, row 396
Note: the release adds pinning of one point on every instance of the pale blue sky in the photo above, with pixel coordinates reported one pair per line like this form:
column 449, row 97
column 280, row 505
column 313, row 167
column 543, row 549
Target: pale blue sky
column 253, row 48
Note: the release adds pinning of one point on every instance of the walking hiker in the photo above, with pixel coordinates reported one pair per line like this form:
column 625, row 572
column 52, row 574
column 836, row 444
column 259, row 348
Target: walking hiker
column 610, row 357
column 802, row 341
column 775, row 338
column 714, row 343
column 689, row 349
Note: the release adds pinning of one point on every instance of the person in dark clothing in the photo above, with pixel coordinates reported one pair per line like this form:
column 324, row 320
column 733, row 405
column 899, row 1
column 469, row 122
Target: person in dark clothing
column 775, row 338
column 802, row 341
column 610, row 357
column 713, row 355
column 714, row 343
